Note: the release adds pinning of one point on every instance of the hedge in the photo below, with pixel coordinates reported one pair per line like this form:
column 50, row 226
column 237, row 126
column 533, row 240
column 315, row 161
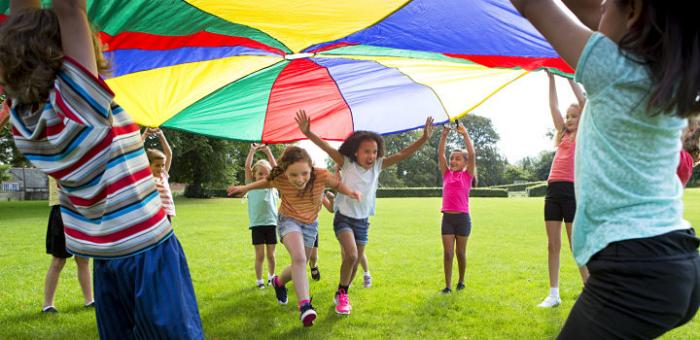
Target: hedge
column 517, row 187
column 539, row 190
column 401, row 192
column 437, row 192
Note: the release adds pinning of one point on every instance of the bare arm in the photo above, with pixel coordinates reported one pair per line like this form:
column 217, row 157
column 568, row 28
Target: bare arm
column 578, row 91
column 557, row 119
column 249, row 162
column 18, row 5
column 166, row 149
column 270, row 156
column 588, row 11
column 242, row 189
column 566, row 34
column 305, row 126
column 409, row 150
column 76, row 36
column 442, row 161
column 332, row 181
column 471, row 154
column 328, row 200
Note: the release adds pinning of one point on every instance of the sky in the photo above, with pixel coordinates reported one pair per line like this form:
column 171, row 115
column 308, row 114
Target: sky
column 520, row 115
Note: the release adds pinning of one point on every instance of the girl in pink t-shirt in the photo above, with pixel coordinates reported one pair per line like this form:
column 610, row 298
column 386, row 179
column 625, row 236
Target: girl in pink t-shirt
column 457, row 178
column 559, row 202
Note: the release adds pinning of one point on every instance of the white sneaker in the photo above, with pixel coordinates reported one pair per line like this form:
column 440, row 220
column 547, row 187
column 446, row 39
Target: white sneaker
column 550, row 301
column 367, row 280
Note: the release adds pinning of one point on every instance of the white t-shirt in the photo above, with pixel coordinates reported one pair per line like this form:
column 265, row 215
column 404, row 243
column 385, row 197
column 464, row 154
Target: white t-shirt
column 363, row 180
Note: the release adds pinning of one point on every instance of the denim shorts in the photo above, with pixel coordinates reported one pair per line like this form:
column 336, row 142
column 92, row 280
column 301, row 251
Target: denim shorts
column 286, row 225
column 359, row 227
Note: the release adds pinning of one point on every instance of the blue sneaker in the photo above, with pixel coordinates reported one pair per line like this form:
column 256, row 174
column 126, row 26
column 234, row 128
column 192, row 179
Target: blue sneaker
column 280, row 291
column 307, row 314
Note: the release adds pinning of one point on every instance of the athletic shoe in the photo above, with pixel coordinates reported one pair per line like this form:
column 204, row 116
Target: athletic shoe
column 550, row 301
column 49, row 309
column 280, row 292
column 343, row 306
column 315, row 273
column 367, row 280
column 261, row 285
column 446, row 290
column 460, row 286
column 307, row 314
column 90, row 305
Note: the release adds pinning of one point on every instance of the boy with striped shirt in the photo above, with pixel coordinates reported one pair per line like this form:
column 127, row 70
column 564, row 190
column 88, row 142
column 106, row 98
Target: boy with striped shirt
column 66, row 123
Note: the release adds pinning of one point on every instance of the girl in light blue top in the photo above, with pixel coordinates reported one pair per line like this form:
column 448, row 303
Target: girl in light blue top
column 641, row 71
column 262, row 212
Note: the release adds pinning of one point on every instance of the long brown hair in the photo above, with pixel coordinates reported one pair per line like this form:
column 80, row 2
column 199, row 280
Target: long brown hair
column 291, row 155
column 666, row 39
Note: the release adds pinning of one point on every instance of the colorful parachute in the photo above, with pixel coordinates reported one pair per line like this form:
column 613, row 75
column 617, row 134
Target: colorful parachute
column 239, row 69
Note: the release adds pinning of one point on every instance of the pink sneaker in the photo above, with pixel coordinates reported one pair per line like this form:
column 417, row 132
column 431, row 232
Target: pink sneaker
column 343, row 306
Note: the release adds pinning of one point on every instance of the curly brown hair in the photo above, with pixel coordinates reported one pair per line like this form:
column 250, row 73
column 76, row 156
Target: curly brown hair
column 30, row 55
column 352, row 144
column 291, row 155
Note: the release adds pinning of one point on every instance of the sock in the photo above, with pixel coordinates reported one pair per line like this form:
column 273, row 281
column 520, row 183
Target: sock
column 344, row 288
column 270, row 276
column 303, row 302
column 259, row 282
column 554, row 291
column 367, row 274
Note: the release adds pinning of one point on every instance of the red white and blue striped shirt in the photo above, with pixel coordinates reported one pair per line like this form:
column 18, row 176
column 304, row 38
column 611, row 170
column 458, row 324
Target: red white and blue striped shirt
column 109, row 202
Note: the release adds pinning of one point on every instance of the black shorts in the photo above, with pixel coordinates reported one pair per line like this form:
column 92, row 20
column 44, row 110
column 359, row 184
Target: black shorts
column 264, row 234
column 55, row 238
column 456, row 224
column 638, row 289
column 560, row 202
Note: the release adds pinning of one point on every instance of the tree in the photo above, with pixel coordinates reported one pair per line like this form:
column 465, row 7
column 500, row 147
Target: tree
column 8, row 152
column 4, row 172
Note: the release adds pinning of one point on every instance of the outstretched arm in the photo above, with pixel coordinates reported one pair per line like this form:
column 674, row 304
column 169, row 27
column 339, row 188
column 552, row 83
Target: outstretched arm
column 332, row 181
column 328, row 200
column 270, row 156
column 578, row 91
column 249, row 162
column 557, row 119
column 442, row 161
column 409, row 150
column 566, row 34
column 76, row 36
column 305, row 126
column 166, row 149
column 242, row 189
column 471, row 154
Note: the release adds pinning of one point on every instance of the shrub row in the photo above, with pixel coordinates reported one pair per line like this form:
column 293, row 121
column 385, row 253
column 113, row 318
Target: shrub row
column 518, row 187
column 539, row 190
column 437, row 192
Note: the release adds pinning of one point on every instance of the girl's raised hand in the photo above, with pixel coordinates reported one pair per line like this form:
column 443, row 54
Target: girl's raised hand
column 428, row 129
column 445, row 130
column 303, row 121
column 461, row 129
column 254, row 146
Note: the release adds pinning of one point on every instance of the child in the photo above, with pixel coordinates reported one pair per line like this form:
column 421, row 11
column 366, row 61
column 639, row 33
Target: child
column 361, row 159
column 560, row 201
column 301, row 188
column 67, row 124
column 642, row 75
column 262, row 213
column 56, row 246
column 160, row 162
column 690, row 153
column 328, row 198
column 456, row 222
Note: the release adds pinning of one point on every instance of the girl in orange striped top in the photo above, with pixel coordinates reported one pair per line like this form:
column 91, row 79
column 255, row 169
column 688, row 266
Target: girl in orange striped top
column 301, row 188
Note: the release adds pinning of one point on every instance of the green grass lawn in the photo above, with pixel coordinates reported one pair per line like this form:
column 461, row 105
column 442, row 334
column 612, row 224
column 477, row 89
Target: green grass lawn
column 506, row 276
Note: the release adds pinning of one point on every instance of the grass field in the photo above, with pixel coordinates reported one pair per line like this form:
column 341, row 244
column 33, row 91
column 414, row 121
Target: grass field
column 506, row 276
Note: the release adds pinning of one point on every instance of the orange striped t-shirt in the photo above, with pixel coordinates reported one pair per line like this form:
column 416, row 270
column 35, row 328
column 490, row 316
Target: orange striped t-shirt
column 302, row 208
